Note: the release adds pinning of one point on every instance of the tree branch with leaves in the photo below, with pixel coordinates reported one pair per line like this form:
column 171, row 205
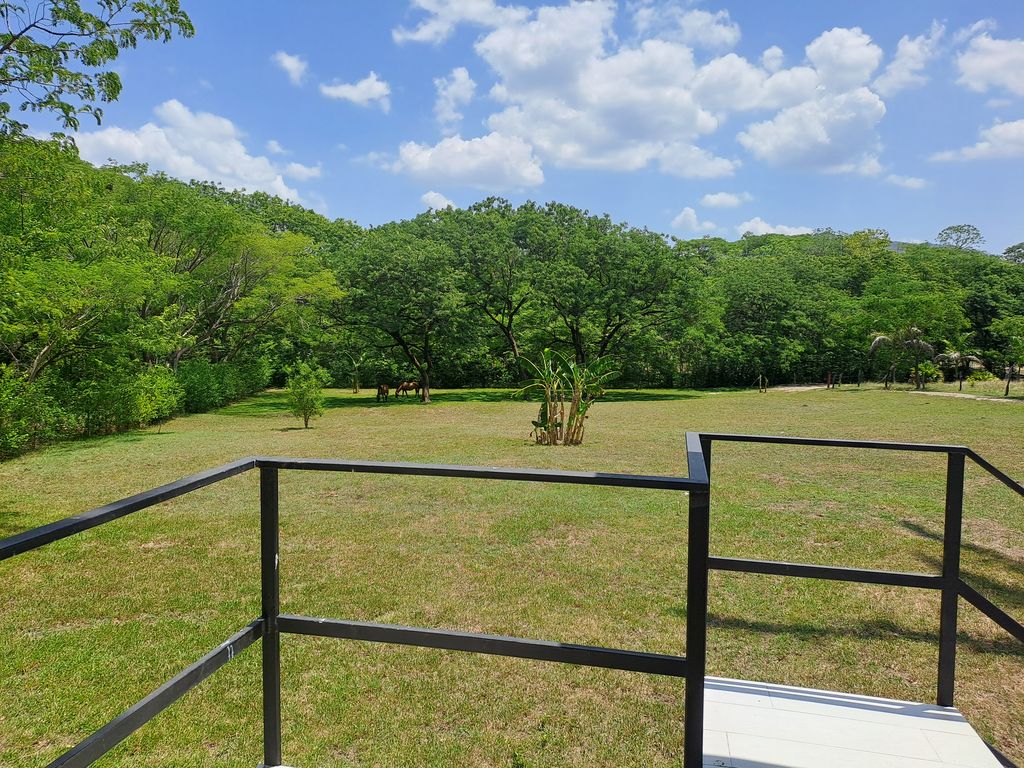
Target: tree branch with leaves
column 53, row 53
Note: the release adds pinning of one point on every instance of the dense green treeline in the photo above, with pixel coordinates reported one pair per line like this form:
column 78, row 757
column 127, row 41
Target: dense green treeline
column 126, row 297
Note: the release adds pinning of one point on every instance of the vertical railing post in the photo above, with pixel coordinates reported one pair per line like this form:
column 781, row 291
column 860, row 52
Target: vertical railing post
column 952, row 530
column 271, row 599
column 698, row 535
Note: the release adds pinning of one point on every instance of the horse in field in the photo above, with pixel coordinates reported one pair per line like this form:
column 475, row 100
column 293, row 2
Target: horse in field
column 406, row 387
column 382, row 392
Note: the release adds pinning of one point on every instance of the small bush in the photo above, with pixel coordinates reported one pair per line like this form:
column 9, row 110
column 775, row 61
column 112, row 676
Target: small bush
column 930, row 372
column 979, row 376
column 305, row 391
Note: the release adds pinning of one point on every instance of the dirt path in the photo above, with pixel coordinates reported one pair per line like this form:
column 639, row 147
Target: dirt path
column 967, row 396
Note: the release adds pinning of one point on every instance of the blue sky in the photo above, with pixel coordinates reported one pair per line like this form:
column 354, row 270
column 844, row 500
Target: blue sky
column 685, row 117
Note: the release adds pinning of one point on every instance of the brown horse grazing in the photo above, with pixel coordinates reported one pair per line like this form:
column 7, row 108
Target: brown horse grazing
column 382, row 392
column 406, row 387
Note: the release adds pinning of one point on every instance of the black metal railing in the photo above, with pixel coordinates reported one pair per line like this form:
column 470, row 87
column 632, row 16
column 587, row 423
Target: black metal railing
column 692, row 667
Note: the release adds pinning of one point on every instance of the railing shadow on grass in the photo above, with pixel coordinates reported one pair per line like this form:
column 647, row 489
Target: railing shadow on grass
column 875, row 629
column 1008, row 562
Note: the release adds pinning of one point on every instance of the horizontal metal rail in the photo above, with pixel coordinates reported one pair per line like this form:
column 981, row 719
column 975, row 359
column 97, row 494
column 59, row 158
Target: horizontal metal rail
column 990, row 609
column 833, row 573
column 486, row 473
column 880, row 445
column 496, row 645
column 37, row 537
column 133, row 718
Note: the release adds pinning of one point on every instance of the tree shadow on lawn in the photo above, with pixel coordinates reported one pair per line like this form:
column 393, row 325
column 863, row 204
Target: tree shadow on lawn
column 275, row 403
column 76, row 444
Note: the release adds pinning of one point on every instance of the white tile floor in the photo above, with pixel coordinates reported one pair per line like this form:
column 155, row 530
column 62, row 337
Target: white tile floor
column 759, row 725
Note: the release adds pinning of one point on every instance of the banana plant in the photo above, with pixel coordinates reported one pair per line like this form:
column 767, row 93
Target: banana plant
column 560, row 379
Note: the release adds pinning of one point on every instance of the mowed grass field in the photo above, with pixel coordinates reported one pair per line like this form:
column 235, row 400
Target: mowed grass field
column 94, row 622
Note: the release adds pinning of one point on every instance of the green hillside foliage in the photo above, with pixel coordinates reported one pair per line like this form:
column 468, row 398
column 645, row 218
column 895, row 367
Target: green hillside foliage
column 126, row 297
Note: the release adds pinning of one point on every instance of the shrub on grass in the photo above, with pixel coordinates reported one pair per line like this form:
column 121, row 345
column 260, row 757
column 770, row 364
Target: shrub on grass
column 305, row 391
column 981, row 376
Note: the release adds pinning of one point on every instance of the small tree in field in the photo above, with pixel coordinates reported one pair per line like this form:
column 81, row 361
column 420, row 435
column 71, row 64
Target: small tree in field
column 568, row 389
column 1010, row 332
column 305, row 391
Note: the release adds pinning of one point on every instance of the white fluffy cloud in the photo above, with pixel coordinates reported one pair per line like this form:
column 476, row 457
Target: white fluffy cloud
column 831, row 133
column 368, row 91
column 1002, row 140
column 758, row 226
column 692, row 162
column 725, row 199
column 907, row 66
column 293, row 65
column 444, row 15
column 773, row 58
column 274, row 147
column 495, row 163
column 453, row 92
column 907, row 182
column 191, row 145
column 302, row 172
column 436, row 200
column 580, row 96
column 992, row 63
column 698, row 28
column 582, row 105
column 687, row 220
column 844, row 58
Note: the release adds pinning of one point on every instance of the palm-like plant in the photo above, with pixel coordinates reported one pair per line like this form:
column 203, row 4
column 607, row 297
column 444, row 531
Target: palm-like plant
column 959, row 355
column 569, row 389
column 903, row 342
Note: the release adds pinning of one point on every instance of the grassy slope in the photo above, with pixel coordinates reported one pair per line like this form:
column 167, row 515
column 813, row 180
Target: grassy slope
column 131, row 603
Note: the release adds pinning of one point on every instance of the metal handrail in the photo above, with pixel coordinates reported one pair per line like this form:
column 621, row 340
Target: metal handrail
column 269, row 626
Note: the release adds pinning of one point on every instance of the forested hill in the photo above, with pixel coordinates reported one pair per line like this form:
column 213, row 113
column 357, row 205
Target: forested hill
column 128, row 296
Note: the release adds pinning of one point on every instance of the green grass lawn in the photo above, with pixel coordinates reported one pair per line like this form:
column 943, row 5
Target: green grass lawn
column 96, row 621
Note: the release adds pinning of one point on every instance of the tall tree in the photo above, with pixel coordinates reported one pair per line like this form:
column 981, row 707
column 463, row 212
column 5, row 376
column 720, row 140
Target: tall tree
column 402, row 289
column 1015, row 253
column 1010, row 333
column 599, row 282
column 960, row 236
column 495, row 269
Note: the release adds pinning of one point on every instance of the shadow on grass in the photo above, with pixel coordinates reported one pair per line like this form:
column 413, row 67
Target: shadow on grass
column 1007, row 597
column 276, row 403
column 874, row 629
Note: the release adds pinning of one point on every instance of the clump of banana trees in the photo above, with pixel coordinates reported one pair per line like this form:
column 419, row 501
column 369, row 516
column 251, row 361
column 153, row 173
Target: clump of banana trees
column 568, row 389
